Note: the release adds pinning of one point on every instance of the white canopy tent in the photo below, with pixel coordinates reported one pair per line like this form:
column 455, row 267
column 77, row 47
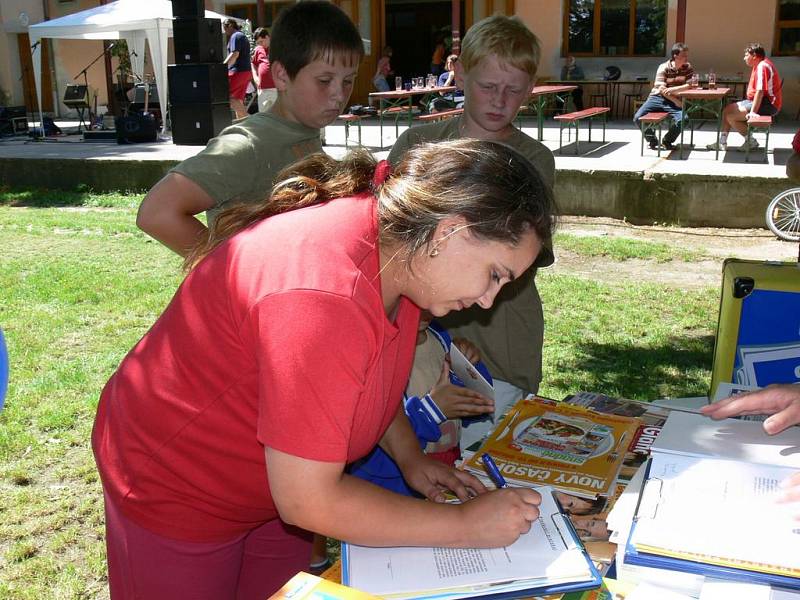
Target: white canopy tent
column 131, row 20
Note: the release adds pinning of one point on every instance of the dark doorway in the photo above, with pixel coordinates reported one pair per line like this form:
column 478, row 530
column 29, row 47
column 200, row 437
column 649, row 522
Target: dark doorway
column 412, row 29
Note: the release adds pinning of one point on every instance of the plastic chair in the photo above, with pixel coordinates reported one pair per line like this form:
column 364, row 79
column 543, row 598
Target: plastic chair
column 629, row 99
column 600, row 97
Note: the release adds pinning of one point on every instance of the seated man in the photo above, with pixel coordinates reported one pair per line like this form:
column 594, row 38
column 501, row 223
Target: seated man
column 571, row 71
column 671, row 77
column 764, row 97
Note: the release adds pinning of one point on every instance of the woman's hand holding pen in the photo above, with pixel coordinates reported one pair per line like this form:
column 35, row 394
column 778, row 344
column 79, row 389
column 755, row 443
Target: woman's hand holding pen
column 782, row 402
column 500, row 517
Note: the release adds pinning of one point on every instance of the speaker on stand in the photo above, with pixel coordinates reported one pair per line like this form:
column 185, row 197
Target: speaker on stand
column 77, row 97
column 198, row 84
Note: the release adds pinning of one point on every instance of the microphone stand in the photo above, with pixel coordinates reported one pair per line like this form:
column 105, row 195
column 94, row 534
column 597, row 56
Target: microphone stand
column 86, row 83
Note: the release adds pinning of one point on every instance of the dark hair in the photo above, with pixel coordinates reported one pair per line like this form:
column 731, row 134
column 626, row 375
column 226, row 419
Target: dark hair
column 756, row 49
column 312, row 29
column 677, row 48
column 261, row 32
column 229, row 22
column 497, row 191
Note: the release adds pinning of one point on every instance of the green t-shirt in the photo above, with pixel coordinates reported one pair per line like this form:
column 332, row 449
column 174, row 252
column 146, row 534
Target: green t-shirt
column 510, row 335
column 240, row 164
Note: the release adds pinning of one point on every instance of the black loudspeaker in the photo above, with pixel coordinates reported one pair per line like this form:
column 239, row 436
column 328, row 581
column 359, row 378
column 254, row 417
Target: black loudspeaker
column 76, row 96
column 197, row 40
column 194, row 124
column 204, row 83
column 188, row 8
column 133, row 129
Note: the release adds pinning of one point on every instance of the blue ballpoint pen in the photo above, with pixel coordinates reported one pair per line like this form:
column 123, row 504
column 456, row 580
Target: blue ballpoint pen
column 494, row 472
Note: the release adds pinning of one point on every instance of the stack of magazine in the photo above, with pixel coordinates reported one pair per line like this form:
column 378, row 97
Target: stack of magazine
column 571, row 448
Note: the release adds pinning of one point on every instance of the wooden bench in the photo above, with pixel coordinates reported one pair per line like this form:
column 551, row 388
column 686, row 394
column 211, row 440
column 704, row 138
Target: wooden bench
column 439, row 116
column 397, row 112
column 574, row 119
column 759, row 123
column 649, row 122
column 348, row 120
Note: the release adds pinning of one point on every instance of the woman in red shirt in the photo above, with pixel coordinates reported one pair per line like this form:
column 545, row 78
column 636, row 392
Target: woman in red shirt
column 223, row 437
column 267, row 94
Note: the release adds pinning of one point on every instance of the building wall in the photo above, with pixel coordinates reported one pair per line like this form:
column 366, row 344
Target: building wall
column 719, row 43
column 10, row 27
column 714, row 42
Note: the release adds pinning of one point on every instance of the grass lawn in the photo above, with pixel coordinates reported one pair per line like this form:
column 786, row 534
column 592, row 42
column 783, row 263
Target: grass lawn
column 80, row 284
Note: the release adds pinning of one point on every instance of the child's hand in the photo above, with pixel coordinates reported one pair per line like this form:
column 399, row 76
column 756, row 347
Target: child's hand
column 455, row 401
column 468, row 349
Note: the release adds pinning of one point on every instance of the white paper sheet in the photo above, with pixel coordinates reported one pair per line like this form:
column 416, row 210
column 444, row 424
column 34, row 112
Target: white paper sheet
column 719, row 508
column 538, row 558
column 732, row 439
column 468, row 374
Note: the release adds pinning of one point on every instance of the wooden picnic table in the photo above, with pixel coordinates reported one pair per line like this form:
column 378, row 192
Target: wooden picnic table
column 611, row 88
column 697, row 100
column 404, row 99
column 540, row 94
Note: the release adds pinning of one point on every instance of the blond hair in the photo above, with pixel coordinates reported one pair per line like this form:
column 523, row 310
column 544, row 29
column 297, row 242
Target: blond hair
column 506, row 37
column 497, row 191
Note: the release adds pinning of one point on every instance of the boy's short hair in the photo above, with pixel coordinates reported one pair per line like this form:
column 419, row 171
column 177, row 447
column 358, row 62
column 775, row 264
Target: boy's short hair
column 677, row 48
column 261, row 32
column 756, row 49
column 312, row 29
column 508, row 38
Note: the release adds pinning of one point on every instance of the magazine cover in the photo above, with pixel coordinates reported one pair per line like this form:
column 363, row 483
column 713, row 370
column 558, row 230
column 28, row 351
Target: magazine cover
column 568, row 447
column 652, row 420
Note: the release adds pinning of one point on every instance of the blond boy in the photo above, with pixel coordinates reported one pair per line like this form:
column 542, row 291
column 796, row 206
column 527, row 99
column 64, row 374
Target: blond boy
column 497, row 70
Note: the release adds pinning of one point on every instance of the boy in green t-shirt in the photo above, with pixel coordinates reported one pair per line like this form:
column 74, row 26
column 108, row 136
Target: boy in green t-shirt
column 497, row 70
column 315, row 52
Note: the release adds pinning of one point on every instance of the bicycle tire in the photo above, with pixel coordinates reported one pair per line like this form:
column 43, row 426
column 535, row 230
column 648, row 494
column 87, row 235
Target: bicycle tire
column 783, row 215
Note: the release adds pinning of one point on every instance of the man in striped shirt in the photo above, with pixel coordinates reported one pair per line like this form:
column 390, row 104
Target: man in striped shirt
column 671, row 77
column 764, row 97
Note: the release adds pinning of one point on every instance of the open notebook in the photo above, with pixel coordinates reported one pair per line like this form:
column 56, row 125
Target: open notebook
column 709, row 502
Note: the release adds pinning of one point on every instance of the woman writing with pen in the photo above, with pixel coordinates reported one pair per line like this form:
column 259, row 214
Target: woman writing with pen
column 222, row 439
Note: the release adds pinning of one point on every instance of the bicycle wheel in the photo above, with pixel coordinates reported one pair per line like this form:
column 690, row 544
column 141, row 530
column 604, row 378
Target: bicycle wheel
column 783, row 215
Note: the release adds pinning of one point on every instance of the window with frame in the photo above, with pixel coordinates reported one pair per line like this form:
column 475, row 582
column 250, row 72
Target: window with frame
column 787, row 28
column 615, row 27
column 249, row 12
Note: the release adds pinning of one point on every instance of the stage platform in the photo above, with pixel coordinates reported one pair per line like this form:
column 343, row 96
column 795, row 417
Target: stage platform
column 608, row 179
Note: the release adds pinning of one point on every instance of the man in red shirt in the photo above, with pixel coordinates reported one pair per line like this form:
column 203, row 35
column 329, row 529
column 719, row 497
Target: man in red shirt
column 764, row 97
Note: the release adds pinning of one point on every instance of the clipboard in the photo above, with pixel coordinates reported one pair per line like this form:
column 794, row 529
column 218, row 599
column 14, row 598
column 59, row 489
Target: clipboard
column 559, row 531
